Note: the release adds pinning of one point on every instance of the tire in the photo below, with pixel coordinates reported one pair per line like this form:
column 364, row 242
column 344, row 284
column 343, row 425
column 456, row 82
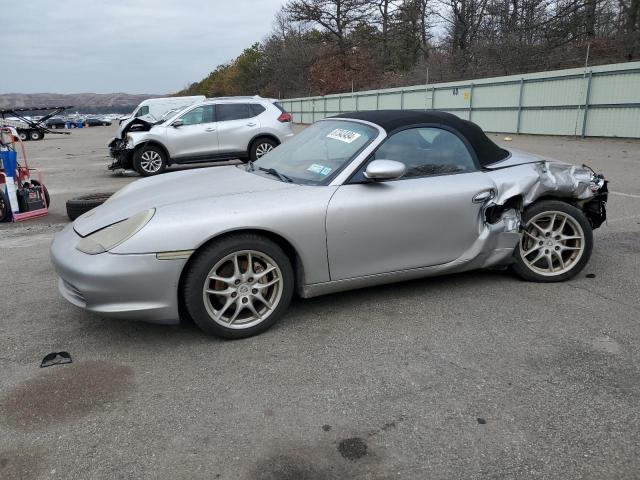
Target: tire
column 5, row 209
column 556, row 243
column 149, row 160
column 35, row 135
column 46, row 192
column 260, row 146
column 24, row 136
column 82, row 204
column 238, row 312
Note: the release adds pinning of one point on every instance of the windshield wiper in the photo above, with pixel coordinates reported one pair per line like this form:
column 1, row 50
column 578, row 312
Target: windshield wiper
column 273, row 171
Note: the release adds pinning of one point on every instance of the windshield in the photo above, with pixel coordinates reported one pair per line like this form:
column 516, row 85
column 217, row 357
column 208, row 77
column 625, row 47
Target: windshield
column 319, row 152
column 169, row 113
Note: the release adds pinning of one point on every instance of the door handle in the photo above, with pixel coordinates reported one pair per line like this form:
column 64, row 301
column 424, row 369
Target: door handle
column 251, row 124
column 210, row 129
column 484, row 195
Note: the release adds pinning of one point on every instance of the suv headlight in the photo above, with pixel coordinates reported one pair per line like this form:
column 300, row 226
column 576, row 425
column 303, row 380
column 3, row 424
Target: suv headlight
column 113, row 235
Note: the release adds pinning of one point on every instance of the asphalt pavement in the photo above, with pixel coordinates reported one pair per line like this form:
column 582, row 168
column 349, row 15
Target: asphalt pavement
column 470, row 376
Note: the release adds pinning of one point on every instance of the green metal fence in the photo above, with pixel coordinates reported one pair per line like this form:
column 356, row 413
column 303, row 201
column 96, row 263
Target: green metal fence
column 597, row 101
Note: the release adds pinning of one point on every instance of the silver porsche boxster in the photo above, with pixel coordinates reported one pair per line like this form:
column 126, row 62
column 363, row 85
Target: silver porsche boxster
column 355, row 200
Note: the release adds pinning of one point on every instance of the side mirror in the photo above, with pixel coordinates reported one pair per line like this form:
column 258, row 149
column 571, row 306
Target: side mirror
column 177, row 123
column 385, row 170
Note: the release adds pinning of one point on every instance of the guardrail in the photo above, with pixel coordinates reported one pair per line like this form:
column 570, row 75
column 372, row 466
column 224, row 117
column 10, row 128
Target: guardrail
column 599, row 101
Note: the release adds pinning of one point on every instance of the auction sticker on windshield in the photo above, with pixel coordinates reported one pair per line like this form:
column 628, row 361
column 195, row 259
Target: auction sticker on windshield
column 343, row 135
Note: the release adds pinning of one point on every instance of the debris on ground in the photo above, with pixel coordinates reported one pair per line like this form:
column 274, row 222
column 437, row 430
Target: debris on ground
column 56, row 358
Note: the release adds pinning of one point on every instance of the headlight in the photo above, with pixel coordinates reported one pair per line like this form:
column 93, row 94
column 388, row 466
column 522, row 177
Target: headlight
column 129, row 140
column 113, row 235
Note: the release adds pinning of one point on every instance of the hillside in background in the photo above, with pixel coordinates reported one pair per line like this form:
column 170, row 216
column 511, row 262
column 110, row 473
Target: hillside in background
column 82, row 102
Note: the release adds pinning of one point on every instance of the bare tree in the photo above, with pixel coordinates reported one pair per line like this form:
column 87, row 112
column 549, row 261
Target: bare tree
column 630, row 13
column 337, row 17
column 465, row 17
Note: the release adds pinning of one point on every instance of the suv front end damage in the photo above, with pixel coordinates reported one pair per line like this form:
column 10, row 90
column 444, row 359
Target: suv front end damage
column 121, row 149
column 121, row 153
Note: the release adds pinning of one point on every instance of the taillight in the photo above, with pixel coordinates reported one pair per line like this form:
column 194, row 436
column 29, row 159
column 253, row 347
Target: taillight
column 284, row 117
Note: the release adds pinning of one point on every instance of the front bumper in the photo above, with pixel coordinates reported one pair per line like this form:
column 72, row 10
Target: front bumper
column 122, row 155
column 135, row 287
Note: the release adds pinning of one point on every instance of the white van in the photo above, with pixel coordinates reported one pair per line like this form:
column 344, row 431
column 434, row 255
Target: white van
column 153, row 109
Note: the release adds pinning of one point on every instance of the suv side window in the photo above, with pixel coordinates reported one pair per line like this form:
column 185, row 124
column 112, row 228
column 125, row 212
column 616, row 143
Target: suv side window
column 202, row 114
column 256, row 109
column 427, row 151
column 232, row 111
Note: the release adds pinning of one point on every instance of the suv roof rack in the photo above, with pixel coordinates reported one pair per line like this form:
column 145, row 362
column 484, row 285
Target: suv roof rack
column 239, row 97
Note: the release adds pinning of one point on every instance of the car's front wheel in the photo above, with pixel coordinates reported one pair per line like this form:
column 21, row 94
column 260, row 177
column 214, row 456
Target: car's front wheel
column 149, row 160
column 238, row 286
column 556, row 242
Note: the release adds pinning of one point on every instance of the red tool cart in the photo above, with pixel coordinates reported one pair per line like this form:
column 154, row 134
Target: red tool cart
column 22, row 192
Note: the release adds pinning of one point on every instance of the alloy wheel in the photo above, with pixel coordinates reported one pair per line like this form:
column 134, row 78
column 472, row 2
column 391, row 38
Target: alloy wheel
column 552, row 243
column 150, row 161
column 263, row 148
column 243, row 289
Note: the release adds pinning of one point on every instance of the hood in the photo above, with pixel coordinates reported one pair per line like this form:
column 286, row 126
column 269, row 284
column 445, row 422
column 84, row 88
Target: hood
column 138, row 124
column 518, row 157
column 175, row 188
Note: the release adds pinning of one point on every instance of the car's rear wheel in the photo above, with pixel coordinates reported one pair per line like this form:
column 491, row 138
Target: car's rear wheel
column 261, row 147
column 238, row 286
column 556, row 242
column 149, row 160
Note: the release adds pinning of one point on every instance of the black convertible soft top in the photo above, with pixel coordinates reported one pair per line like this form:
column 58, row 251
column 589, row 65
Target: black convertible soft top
column 391, row 120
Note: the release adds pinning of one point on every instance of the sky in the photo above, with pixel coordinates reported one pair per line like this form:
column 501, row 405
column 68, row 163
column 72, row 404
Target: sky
column 131, row 46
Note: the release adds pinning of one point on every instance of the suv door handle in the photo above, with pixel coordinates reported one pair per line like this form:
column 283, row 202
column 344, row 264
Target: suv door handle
column 484, row 195
column 210, row 129
column 251, row 124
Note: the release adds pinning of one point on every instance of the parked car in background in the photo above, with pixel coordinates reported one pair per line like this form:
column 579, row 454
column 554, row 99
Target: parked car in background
column 94, row 122
column 55, row 122
column 355, row 200
column 216, row 129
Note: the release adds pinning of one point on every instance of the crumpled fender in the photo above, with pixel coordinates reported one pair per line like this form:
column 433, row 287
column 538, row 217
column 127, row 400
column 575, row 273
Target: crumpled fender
column 518, row 186
column 532, row 181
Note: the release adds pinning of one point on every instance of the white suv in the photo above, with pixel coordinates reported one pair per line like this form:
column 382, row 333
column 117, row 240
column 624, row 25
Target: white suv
column 215, row 129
